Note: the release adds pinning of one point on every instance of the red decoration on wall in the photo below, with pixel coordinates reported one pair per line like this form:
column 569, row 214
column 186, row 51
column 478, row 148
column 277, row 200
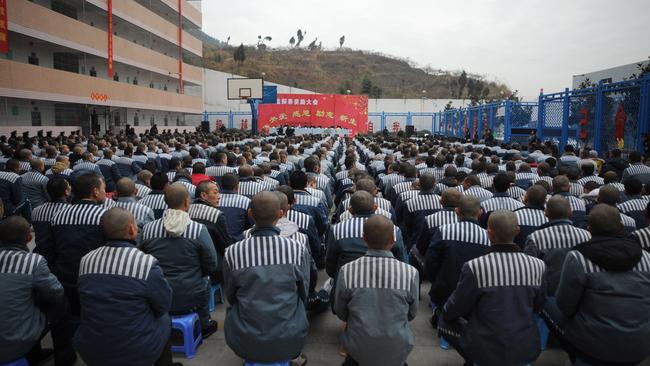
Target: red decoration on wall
column 619, row 122
column 109, row 9
column 371, row 127
column 584, row 133
column 219, row 124
column 244, row 124
column 180, row 46
column 396, row 126
column 4, row 27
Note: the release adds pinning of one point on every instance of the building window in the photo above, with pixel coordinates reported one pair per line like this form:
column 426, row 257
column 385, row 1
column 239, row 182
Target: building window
column 66, row 61
column 14, row 110
column 33, row 59
column 65, row 9
column 36, row 117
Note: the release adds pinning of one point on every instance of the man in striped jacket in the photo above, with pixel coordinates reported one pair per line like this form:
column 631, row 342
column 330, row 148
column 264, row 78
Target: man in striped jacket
column 531, row 217
column 452, row 246
column 186, row 254
column 155, row 200
column 59, row 191
column 603, row 297
column 234, row 206
column 266, row 281
column 126, row 198
column 501, row 200
column 552, row 241
column 489, row 318
column 377, row 278
column 119, row 276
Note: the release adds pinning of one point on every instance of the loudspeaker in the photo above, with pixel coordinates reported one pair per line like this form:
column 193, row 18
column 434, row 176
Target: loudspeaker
column 205, row 126
column 410, row 131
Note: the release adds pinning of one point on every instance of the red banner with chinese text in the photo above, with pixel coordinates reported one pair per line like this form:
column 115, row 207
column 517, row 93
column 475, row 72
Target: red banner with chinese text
column 109, row 9
column 4, row 27
column 317, row 110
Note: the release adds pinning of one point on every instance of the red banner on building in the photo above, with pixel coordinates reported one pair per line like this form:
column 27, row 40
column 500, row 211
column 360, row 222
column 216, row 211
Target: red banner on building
column 4, row 27
column 180, row 46
column 109, row 9
column 317, row 110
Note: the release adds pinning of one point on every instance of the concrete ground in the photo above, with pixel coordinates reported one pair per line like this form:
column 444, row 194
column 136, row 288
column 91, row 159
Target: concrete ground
column 323, row 343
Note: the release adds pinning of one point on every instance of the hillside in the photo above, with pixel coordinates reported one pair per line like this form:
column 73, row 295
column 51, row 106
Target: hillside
column 336, row 71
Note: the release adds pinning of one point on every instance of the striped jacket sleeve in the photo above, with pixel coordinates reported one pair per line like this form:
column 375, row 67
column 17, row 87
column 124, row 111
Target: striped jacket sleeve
column 572, row 285
column 462, row 300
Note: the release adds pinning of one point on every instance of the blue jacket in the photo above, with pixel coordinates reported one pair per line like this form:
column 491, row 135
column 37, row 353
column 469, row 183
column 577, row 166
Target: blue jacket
column 450, row 248
column 41, row 221
column 76, row 231
column 11, row 191
column 119, row 276
column 26, row 286
column 111, row 173
column 498, row 294
column 266, row 281
column 235, row 208
column 185, row 260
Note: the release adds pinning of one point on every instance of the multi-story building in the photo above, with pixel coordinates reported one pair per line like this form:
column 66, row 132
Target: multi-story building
column 65, row 68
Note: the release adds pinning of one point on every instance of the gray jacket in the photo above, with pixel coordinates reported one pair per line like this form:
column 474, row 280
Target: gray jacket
column 26, row 284
column 607, row 305
column 266, row 278
column 377, row 296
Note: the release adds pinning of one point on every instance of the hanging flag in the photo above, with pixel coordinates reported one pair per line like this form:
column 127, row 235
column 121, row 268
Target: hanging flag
column 583, row 123
column 4, row 28
column 619, row 125
column 109, row 8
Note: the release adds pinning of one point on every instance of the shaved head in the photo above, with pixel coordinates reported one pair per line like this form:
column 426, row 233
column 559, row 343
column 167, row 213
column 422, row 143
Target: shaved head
column 366, row 185
column 502, row 227
column 450, row 197
column 284, row 202
column 561, row 184
column 125, row 187
column 604, row 220
column 379, row 233
column 245, row 171
column 609, row 195
column 177, row 197
column 362, row 203
column 118, row 224
column 558, row 208
column 265, row 209
column 469, row 207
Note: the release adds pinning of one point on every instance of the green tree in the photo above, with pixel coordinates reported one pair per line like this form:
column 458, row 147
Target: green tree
column 240, row 54
column 462, row 81
column 366, row 85
column 343, row 89
column 341, row 41
column 292, row 41
column 301, row 36
column 375, row 92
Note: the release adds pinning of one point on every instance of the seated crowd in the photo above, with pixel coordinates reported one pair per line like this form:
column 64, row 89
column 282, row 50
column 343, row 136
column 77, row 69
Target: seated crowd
column 103, row 240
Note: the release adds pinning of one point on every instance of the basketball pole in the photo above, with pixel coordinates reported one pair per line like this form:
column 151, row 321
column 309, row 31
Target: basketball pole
column 253, row 105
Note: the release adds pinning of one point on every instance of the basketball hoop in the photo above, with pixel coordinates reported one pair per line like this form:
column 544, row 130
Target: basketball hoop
column 243, row 100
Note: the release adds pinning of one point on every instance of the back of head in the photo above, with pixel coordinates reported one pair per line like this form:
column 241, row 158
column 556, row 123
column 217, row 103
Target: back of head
column 378, row 233
column 473, row 180
column 176, row 196
column 311, row 163
column 288, row 192
column 561, row 184
column 469, row 207
column 427, row 182
column 610, row 177
column 587, row 169
column 245, row 171
column 450, row 197
column 604, row 220
column 229, row 181
column 501, row 182
column 298, row 180
column 635, row 157
column 503, row 227
column 85, row 184
column 159, row 181
column 410, row 171
column 450, row 172
column 198, row 168
column 264, row 209
column 609, row 195
column 14, row 230
column 125, row 187
column 535, row 196
column 37, row 164
column 362, row 203
column 366, row 185
column 145, row 176
column 558, row 208
column 116, row 223
column 57, row 188
column 633, row 186
column 284, row 202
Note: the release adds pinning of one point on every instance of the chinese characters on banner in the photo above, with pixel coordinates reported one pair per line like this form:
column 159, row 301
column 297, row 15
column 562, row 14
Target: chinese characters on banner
column 109, row 7
column 219, row 123
column 317, row 110
column 395, row 126
column 371, row 127
column 4, row 28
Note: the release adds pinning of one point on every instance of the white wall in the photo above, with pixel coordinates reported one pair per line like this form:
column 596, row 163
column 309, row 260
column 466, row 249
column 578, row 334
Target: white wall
column 618, row 73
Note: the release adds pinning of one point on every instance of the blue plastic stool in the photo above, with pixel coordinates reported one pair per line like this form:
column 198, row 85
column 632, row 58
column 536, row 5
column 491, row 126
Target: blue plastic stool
column 543, row 331
column 283, row 363
column 213, row 290
column 443, row 343
column 18, row 362
column 189, row 326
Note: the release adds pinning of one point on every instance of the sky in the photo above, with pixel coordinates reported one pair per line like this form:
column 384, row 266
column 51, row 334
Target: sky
column 525, row 44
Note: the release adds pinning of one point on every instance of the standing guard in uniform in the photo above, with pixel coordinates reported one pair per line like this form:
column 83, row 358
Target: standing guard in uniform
column 394, row 287
column 119, row 276
column 267, row 321
column 489, row 318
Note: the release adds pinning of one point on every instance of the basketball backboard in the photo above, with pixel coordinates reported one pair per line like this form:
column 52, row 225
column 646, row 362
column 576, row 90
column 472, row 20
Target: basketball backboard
column 244, row 88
